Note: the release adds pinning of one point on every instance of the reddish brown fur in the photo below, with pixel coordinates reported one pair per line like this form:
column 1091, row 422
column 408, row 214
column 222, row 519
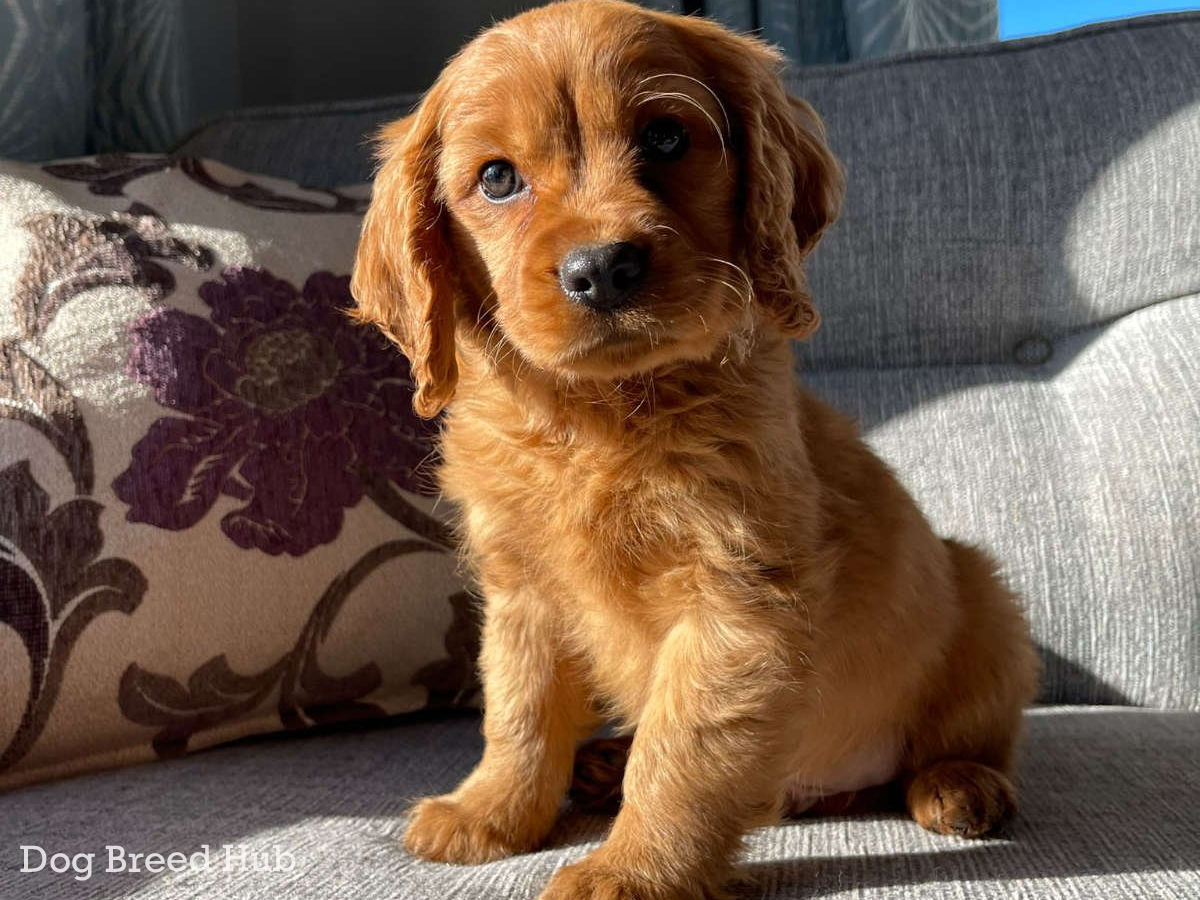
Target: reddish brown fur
column 665, row 528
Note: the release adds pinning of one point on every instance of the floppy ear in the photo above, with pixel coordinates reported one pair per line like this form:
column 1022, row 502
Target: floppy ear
column 402, row 279
column 791, row 185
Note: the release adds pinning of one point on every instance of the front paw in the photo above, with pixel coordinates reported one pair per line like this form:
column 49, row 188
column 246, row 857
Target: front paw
column 443, row 829
column 587, row 880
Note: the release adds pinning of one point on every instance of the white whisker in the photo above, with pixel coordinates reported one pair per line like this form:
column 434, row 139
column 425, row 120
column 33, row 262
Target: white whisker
column 691, row 312
column 697, row 81
column 742, row 272
column 738, row 296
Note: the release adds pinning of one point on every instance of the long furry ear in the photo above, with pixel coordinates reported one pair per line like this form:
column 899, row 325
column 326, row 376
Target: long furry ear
column 402, row 279
column 791, row 185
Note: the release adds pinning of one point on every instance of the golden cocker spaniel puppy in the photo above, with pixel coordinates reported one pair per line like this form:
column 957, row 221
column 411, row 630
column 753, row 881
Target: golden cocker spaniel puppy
column 589, row 242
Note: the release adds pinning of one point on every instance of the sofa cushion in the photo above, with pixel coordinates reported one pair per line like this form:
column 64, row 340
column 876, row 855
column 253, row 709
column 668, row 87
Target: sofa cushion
column 212, row 488
column 1106, row 801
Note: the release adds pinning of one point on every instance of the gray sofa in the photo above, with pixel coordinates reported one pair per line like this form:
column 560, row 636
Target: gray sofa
column 1012, row 310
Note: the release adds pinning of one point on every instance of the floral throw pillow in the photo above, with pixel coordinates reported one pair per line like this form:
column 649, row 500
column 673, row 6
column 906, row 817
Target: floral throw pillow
column 216, row 510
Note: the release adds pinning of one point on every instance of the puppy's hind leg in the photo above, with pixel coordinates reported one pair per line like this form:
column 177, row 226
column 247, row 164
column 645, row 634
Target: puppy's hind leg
column 960, row 797
column 961, row 750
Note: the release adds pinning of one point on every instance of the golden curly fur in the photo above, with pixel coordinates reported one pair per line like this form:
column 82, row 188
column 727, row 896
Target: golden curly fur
column 665, row 528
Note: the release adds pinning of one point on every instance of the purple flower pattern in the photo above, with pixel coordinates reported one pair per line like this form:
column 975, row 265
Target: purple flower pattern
column 287, row 406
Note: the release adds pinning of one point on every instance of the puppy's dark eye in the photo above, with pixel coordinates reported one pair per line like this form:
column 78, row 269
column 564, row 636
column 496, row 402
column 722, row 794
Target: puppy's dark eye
column 499, row 180
column 664, row 140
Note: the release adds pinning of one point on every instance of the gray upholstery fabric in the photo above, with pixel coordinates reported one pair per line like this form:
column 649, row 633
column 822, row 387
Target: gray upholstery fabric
column 321, row 145
column 1010, row 303
column 1108, row 796
column 1082, row 475
column 1025, row 190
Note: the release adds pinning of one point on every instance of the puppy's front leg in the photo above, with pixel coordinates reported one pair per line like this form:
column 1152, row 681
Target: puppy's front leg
column 704, row 767
column 535, row 711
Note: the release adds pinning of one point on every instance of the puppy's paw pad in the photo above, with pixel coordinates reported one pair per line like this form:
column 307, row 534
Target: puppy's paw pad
column 961, row 798
column 444, row 830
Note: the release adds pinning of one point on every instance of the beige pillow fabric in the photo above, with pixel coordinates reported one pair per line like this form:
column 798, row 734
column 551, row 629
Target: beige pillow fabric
column 216, row 511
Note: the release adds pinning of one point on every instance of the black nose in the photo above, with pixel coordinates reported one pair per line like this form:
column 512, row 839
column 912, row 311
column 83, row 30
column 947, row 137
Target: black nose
column 603, row 278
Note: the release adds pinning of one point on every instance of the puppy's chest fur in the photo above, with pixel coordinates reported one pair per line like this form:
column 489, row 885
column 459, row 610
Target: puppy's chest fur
column 613, row 532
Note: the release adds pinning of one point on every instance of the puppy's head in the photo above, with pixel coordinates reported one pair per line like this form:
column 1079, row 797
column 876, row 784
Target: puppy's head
column 600, row 189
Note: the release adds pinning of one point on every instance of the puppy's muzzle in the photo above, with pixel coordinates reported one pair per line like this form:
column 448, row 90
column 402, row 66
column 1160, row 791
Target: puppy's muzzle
column 603, row 278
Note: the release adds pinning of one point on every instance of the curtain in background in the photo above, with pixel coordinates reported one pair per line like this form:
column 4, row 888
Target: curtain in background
column 86, row 76
column 814, row 32
column 44, row 79
column 82, row 76
column 141, row 92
